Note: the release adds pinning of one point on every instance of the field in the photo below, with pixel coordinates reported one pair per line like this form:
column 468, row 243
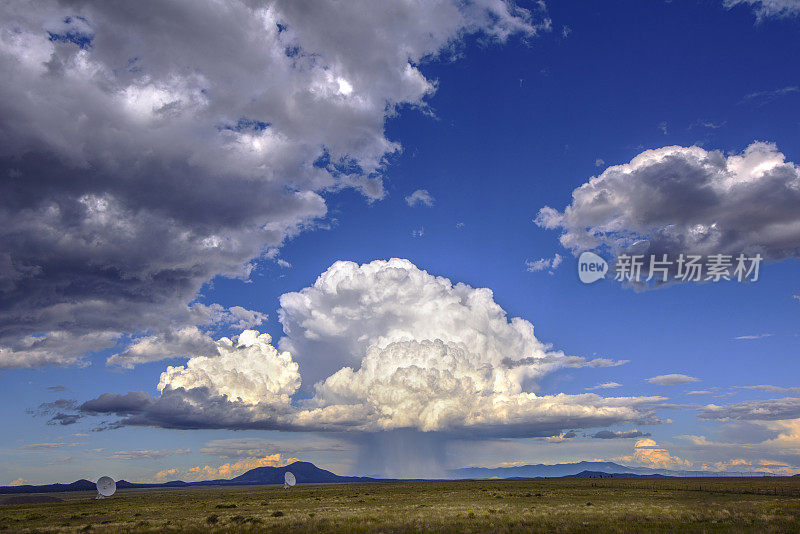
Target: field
column 554, row 505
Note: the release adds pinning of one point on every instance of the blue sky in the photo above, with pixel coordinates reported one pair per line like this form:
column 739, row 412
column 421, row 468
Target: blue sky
column 516, row 122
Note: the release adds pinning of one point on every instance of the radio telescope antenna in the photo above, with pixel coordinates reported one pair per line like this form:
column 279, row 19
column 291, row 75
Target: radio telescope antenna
column 289, row 480
column 105, row 487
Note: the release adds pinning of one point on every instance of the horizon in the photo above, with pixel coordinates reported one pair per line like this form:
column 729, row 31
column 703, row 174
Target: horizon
column 398, row 241
column 626, row 471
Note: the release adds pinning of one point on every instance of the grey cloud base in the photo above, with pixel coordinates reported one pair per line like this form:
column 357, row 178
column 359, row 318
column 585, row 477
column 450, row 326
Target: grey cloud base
column 687, row 200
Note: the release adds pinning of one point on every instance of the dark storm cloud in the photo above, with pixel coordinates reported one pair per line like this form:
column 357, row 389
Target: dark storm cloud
column 147, row 147
column 181, row 409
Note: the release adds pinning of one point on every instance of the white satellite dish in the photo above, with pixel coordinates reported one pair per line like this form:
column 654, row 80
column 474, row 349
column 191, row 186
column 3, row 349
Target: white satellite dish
column 289, row 480
column 105, row 487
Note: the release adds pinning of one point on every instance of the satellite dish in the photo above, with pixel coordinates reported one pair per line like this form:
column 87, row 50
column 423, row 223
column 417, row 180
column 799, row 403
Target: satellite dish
column 289, row 480
column 105, row 487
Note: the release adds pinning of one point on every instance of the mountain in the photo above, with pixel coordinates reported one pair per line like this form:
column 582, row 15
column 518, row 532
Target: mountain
column 305, row 472
column 572, row 469
column 78, row 485
column 308, row 473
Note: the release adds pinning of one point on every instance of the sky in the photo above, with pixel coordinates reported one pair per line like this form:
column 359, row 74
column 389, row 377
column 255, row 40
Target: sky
column 348, row 233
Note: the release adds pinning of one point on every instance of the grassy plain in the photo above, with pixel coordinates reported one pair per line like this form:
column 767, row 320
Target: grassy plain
column 554, row 505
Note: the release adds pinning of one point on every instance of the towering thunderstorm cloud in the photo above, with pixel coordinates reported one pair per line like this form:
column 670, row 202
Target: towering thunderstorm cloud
column 383, row 347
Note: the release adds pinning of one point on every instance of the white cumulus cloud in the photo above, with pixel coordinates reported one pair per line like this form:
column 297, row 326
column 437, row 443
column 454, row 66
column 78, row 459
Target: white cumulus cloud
column 246, row 369
column 382, row 346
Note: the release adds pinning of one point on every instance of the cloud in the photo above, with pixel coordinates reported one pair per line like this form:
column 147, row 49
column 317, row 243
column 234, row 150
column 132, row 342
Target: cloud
column 45, row 446
column 754, row 336
column 248, row 370
column 419, row 232
column 599, row 162
column 753, row 410
column 698, row 392
column 771, row 389
column 228, row 470
column 56, row 388
column 19, row 482
column 147, row 454
column 708, row 124
column 138, row 164
column 610, row 434
column 382, row 346
column 761, row 98
column 746, row 432
column 544, row 264
column 768, row 8
column 648, row 453
column 179, row 343
column 186, row 341
column 420, row 197
column 605, row 385
column 351, row 308
column 672, row 380
column 238, row 448
column 768, row 446
column 61, row 412
column 431, row 385
column 677, row 200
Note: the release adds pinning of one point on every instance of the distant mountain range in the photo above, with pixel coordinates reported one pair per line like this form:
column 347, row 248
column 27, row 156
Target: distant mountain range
column 572, row 469
column 305, row 472
column 308, row 473
column 600, row 474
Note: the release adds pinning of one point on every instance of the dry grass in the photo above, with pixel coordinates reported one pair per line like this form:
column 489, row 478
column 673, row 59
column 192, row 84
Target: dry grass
column 555, row 505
